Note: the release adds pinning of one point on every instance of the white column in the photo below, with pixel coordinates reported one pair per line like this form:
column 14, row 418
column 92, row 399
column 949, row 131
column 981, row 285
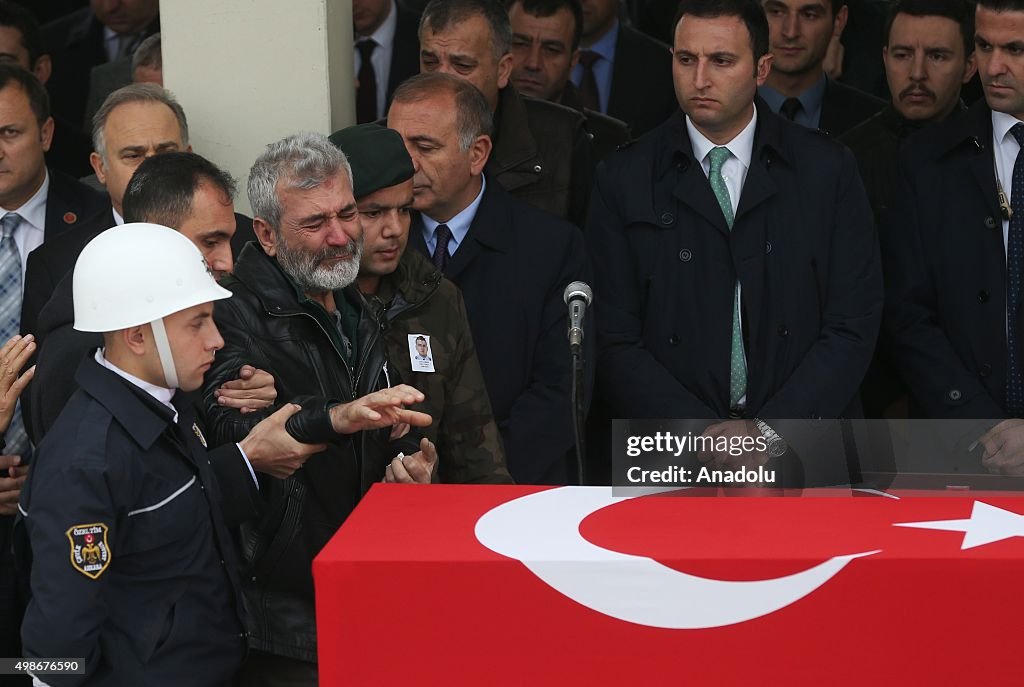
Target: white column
column 249, row 72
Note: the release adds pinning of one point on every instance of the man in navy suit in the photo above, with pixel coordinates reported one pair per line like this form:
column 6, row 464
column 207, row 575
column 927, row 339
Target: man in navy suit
column 37, row 204
column 738, row 275
column 511, row 261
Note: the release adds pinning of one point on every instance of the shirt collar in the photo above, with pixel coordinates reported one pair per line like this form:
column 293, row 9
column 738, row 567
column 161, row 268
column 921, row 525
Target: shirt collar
column 741, row 146
column 605, row 45
column 160, row 393
column 384, row 36
column 459, row 224
column 1001, row 125
column 118, row 219
column 810, row 99
column 33, row 211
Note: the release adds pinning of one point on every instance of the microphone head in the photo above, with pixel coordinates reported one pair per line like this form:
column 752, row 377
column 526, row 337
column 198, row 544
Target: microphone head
column 578, row 289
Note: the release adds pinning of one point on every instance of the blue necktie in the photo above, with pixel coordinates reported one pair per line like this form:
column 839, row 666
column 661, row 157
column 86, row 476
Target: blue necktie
column 440, row 257
column 10, row 318
column 1014, row 271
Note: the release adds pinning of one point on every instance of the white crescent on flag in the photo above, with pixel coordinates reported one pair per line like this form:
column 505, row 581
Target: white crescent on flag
column 542, row 530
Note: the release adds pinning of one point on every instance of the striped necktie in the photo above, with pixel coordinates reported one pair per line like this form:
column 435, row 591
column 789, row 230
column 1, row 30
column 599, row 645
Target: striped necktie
column 10, row 318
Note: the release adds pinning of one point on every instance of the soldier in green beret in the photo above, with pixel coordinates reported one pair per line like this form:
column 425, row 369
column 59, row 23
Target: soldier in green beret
column 428, row 336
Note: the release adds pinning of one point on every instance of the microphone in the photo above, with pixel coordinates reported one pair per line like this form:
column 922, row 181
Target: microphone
column 577, row 296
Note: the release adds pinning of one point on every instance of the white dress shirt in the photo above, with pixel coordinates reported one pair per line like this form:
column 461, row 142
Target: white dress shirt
column 31, row 231
column 1005, row 149
column 458, row 225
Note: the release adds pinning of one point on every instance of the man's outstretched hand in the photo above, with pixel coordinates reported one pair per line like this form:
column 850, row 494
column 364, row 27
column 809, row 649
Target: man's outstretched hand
column 384, row 408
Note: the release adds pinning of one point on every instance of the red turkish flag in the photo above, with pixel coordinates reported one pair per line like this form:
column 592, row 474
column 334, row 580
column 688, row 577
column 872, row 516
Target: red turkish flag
column 407, row 593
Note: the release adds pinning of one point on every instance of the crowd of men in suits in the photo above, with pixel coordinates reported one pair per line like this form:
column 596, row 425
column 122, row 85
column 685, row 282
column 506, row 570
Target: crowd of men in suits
column 767, row 245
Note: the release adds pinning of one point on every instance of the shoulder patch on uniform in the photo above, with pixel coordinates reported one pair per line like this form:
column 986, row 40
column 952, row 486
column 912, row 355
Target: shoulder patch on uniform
column 90, row 552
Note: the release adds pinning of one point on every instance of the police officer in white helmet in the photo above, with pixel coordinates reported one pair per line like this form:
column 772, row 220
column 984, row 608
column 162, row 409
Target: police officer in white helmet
column 130, row 561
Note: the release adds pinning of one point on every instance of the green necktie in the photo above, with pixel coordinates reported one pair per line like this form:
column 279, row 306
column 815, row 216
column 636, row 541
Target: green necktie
column 738, row 363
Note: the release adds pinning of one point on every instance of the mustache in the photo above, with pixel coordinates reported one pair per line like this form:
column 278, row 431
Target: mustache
column 330, row 252
column 909, row 90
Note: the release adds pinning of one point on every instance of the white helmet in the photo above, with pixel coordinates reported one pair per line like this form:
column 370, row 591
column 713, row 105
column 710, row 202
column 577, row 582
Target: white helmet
column 137, row 274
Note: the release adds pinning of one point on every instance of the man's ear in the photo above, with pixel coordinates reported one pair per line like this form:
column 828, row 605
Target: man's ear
column 764, row 68
column 46, row 134
column 135, row 338
column 839, row 25
column 970, row 68
column 43, row 68
column 96, row 160
column 266, row 235
column 479, row 153
column 504, row 70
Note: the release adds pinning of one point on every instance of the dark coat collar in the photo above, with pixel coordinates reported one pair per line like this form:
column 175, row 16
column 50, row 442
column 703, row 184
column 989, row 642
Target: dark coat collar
column 769, row 140
column 141, row 415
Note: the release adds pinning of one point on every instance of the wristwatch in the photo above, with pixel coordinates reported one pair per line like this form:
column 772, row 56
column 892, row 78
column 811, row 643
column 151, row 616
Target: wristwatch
column 776, row 444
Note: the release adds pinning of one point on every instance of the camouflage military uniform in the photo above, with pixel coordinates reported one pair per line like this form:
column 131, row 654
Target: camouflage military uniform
column 416, row 300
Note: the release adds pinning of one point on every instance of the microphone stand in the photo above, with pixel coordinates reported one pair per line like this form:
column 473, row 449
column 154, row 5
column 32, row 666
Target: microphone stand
column 579, row 414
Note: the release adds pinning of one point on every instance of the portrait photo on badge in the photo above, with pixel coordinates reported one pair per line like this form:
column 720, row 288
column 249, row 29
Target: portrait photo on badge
column 420, row 355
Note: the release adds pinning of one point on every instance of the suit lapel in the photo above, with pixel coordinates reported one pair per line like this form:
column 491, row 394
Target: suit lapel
column 488, row 230
column 693, row 188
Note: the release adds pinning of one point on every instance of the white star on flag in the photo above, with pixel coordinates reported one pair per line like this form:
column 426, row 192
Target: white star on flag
column 986, row 525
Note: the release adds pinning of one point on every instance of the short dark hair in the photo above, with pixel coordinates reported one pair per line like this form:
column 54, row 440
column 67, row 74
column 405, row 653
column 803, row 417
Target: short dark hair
column 960, row 11
column 24, row 22
column 473, row 115
column 750, row 11
column 1002, row 5
column 421, row 338
column 548, row 8
column 439, row 15
column 38, row 100
column 162, row 188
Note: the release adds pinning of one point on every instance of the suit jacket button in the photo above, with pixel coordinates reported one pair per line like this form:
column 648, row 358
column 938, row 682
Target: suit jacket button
column 667, row 218
column 983, row 296
column 538, row 169
column 783, row 332
column 985, row 370
column 955, row 395
column 767, row 247
column 686, row 255
column 673, row 340
column 990, row 222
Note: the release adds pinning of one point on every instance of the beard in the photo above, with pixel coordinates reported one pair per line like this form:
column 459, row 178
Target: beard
column 308, row 272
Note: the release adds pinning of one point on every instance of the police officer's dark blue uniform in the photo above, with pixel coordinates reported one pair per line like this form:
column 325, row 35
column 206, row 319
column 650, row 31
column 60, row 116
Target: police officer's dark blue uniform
column 155, row 602
column 131, row 563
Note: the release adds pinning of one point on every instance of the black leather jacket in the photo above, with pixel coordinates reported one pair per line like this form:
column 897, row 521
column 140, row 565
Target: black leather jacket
column 268, row 323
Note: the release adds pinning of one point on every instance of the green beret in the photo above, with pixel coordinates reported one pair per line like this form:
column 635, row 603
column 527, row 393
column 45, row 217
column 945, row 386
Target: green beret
column 377, row 155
